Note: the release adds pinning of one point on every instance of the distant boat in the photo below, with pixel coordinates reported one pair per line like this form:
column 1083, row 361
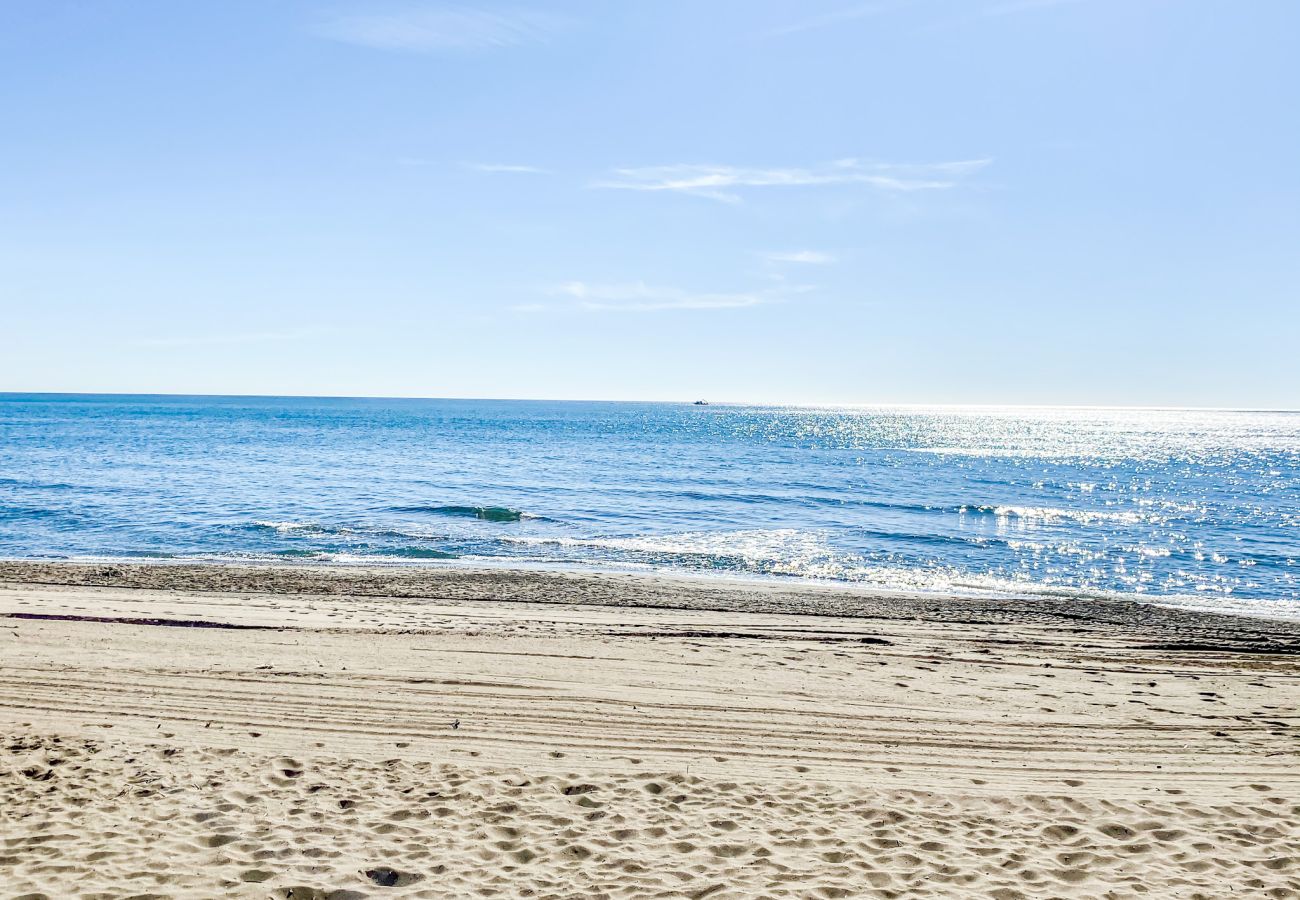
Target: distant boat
column 701, row 402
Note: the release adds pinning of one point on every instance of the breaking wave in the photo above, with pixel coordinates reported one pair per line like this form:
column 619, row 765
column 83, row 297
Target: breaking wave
column 486, row 513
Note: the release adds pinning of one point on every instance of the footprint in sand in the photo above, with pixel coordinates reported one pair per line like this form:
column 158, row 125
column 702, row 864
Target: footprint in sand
column 386, row 877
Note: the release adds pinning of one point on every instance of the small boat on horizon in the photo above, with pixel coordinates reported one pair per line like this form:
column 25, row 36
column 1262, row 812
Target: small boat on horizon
column 701, row 402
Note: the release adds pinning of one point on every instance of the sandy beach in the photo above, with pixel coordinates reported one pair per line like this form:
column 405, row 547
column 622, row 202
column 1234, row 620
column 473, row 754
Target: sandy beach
column 203, row 731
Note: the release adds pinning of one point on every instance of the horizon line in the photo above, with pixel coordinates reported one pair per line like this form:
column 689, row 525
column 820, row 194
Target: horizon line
column 795, row 405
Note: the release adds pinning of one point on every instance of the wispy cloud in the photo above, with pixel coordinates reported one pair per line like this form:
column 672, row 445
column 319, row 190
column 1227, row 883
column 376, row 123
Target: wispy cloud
column 834, row 17
column 808, row 257
column 427, row 28
column 725, row 182
column 505, row 168
column 637, row 296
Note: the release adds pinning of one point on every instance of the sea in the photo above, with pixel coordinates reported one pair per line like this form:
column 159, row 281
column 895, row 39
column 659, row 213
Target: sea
column 1192, row 508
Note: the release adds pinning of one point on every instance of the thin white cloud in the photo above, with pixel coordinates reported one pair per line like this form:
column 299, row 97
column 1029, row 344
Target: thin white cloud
column 505, row 168
column 637, row 296
column 835, row 17
column 808, row 257
column 442, row 27
column 725, row 182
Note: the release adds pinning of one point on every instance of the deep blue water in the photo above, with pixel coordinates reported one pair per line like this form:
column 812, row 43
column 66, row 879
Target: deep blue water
column 1200, row 507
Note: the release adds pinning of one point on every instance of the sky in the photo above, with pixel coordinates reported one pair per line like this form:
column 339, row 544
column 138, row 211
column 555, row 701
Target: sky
column 905, row 201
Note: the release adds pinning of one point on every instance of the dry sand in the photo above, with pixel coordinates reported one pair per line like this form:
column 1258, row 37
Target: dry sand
column 504, row 734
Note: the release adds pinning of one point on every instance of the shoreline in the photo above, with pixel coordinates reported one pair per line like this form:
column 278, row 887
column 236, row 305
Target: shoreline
column 665, row 591
column 1282, row 610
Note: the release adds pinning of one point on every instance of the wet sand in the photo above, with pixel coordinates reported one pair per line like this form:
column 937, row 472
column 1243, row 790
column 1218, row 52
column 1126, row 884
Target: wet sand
column 200, row 731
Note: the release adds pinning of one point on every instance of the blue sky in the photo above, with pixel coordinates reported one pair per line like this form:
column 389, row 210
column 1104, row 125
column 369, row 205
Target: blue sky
column 988, row 201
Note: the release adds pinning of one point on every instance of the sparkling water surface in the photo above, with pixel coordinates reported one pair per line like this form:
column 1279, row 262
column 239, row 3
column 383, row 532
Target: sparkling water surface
column 1192, row 507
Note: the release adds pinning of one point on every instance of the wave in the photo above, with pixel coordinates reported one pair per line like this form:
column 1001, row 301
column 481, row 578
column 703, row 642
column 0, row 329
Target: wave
column 486, row 513
column 316, row 529
column 781, row 551
column 283, row 527
column 35, row 485
column 821, row 498
column 8, row 511
column 362, row 544
column 362, row 555
column 417, row 553
column 1051, row 514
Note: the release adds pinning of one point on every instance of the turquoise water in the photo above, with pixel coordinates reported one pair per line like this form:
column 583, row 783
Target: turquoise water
column 1195, row 507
